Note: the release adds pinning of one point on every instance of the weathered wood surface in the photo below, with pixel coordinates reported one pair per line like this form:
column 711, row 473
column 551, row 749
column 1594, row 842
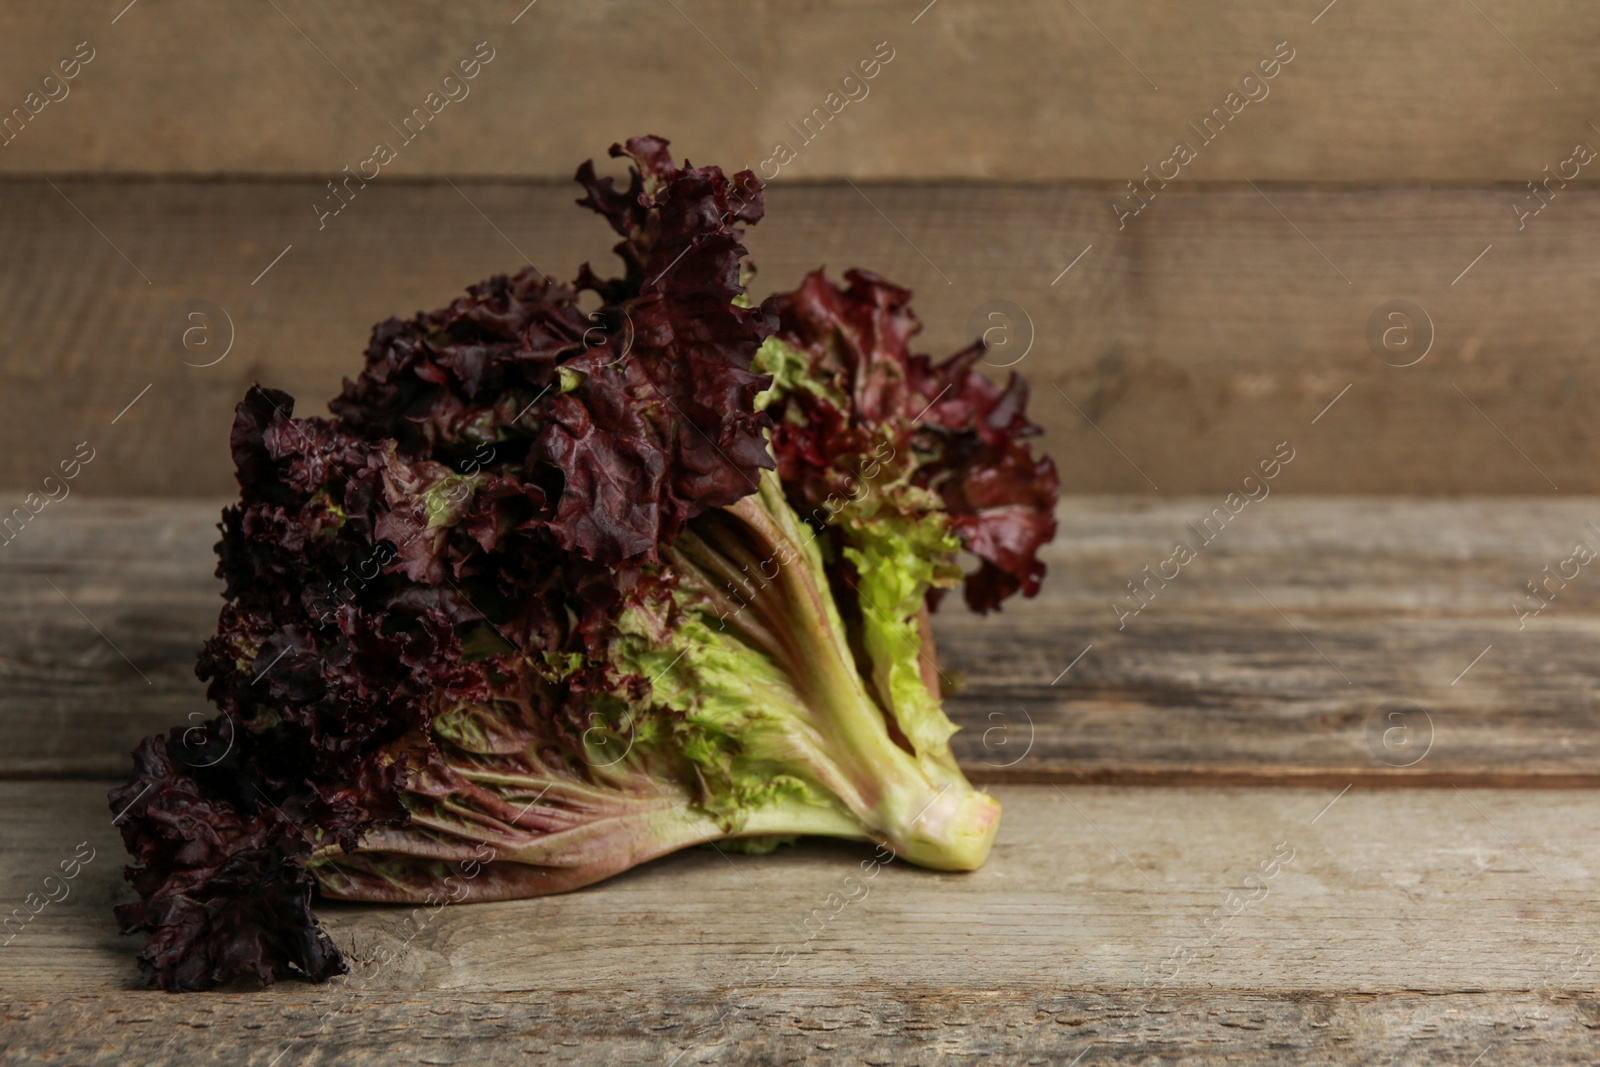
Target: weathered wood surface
column 1422, row 924
column 881, row 1024
column 1042, row 90
column 1176, row 353
column 1208, row 683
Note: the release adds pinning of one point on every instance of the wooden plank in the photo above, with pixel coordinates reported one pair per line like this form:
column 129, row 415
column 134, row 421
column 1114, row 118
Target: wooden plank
column 881, row 1024
column 1089, row 890
column 107, row 655
column 1176, row 353
column 1324, row 641
column 1386, row 607
column 1042, row 90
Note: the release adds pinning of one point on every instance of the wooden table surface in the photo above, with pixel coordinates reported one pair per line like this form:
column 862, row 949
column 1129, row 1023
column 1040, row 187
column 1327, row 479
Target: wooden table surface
column 1339, row 685
column 1343, row 682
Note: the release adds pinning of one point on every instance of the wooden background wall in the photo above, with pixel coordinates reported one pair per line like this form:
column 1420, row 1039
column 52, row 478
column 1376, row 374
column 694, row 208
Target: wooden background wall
column 1383, row 164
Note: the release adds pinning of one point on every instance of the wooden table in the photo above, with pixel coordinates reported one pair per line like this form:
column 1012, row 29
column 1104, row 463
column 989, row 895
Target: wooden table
column 1344, row 680
column 1336, row 688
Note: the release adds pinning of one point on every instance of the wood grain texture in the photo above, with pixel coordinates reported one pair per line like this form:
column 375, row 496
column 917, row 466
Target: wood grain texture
column 1039, row 90
column 1371, row 673
column 880, row 1025
column 1175, row 354
column 1423, row 924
